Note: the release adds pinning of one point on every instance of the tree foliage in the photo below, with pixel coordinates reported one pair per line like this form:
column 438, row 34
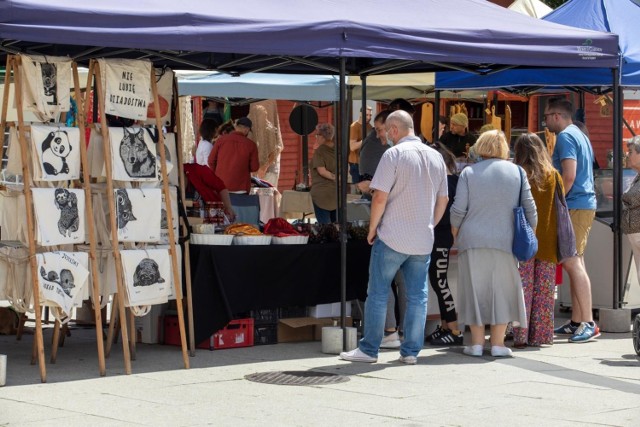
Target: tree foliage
column 554, row 3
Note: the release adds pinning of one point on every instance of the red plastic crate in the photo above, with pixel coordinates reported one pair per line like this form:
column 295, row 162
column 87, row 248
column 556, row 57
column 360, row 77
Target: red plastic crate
column 238, row 333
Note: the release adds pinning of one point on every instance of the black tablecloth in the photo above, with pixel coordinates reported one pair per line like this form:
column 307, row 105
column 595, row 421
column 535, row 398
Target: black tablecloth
column 227, row 280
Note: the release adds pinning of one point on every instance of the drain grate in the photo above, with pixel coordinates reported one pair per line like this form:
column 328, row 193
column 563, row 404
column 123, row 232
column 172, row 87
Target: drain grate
column 296, row 378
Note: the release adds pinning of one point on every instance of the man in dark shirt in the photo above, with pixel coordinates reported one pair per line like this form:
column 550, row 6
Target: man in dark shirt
column 458, row 136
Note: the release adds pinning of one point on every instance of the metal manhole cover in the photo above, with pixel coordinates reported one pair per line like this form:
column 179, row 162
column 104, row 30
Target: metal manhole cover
column 297, row 378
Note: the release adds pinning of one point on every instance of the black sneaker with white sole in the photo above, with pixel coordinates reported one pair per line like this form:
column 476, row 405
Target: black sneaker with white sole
column 447, row 338
column 435, row 334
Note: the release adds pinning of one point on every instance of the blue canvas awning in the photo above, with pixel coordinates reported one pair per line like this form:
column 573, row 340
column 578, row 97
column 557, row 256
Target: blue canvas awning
column 616, row 16
column 478, row 35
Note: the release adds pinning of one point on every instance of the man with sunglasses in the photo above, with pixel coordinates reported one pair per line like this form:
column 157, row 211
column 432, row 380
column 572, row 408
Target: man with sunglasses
column 573, row 158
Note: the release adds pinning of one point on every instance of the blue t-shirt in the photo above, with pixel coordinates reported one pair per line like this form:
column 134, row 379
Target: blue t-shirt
column 571, row 143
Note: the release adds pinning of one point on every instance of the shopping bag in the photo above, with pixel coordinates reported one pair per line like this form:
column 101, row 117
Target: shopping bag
column 566, row 235
column 525, row 243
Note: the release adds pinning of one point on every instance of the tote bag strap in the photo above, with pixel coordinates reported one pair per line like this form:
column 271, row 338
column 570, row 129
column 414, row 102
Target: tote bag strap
column 521, row 184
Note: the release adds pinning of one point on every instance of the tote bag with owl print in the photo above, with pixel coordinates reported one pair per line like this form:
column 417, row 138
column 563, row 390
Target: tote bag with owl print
column 62, row 279
column 147, row 276
column 46, row 85
column 56, row 153
column 138, row 214
column 133, row 155
column 60, row 216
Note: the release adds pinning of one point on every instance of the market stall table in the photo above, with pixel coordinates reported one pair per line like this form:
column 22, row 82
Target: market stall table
column 228, row 280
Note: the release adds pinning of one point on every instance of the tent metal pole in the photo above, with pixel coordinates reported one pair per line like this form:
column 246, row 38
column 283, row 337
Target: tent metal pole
column 343, row 154
column 617, row 191
column 436, row 117
column 363, row 108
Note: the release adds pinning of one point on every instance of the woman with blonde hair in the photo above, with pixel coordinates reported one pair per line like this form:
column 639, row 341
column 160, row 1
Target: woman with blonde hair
column 538, row 274
column 489, row 284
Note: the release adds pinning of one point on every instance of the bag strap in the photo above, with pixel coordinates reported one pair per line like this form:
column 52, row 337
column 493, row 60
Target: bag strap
column 521, row 185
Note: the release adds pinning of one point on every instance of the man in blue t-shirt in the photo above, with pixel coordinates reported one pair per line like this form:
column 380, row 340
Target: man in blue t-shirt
column 573, row 158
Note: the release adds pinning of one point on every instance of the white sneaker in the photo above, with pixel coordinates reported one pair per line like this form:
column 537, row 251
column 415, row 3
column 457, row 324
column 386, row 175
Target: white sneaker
column 391, row 341
column 499, row 351
column 408, row 360
column 473, row 350
column 357, row 356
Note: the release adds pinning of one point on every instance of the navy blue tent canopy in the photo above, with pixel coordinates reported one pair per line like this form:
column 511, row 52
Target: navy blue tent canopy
column 301, row 35
column 616, row 16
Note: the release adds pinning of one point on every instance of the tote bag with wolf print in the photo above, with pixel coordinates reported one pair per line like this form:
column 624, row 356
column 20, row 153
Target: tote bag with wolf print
column 133, row 155
column 60, row 216
column 56, row 153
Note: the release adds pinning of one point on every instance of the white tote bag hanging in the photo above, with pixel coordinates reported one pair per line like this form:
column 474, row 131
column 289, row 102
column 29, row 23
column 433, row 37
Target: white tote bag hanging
column 14, row 158
column 164, row 223
column 126, row 84
column 164, row 83
column 60, row 215
column 62, row 279
column 138, row 214
column 46, row 85
column 56, row 152
column 147, row 276
column 133, row 155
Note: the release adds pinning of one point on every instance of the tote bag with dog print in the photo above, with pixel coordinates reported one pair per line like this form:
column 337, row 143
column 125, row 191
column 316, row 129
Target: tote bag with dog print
column 126, row 84
column 147, row 276
column 138, row 214
column 46, row 82
column 62, row 279
column 133, row 154
column 56, row 153
column 60, row 216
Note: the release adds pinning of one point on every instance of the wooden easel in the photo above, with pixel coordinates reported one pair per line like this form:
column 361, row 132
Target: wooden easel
column 129, row 342
column 187, row 255
column 13, row 66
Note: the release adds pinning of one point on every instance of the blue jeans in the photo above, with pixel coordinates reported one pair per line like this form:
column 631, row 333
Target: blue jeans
column 324, row 216
column 383, row 265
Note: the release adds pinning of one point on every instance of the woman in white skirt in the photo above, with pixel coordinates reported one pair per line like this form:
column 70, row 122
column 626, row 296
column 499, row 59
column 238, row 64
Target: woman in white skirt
column 489, row 286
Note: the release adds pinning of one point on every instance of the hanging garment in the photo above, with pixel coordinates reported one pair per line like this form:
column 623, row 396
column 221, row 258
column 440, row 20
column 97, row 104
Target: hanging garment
column 60, row 216
column 15, row 277
column 133, row 155
column 126, row 84
column 46, row 84
column 95, row 154
column 13, row 221
column 164, row 83
column 14, row 156
column 147, row 276
column 138, row 214
column 56, row 153
column 62, row 279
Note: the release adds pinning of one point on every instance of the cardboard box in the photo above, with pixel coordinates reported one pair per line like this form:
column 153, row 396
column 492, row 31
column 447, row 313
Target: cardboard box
column 329, row 310
column 305, row 328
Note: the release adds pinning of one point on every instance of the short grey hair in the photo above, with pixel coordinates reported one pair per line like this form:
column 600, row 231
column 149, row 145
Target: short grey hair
column 400, row 118
column 634, row 143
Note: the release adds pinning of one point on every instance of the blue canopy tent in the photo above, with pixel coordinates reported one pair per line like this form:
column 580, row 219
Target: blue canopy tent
column 614, row 16
column 358, row 37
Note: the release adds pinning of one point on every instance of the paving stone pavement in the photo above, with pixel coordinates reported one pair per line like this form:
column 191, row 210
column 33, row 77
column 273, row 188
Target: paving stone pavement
column 591, row 384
